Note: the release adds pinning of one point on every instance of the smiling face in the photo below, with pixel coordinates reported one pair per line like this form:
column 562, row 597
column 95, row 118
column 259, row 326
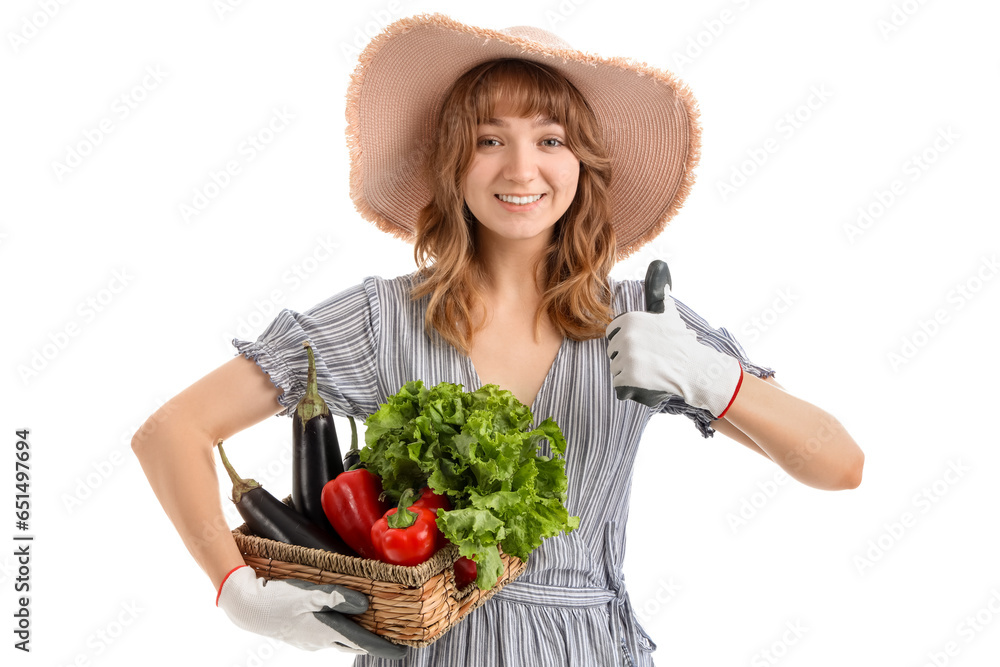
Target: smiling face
column 520, row 159
column 469, row 242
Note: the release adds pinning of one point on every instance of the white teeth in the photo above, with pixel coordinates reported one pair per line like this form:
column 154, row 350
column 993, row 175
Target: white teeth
column 519, row 200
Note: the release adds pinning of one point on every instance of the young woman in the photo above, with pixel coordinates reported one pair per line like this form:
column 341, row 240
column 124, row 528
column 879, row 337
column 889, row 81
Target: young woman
column 522, row 170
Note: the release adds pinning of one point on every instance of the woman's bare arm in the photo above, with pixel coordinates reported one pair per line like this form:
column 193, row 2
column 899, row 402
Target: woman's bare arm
column 176, row 447
column 727, row 429
column 806, row 441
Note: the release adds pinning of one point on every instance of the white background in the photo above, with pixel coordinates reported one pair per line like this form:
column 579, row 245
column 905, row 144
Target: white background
column 772, row 261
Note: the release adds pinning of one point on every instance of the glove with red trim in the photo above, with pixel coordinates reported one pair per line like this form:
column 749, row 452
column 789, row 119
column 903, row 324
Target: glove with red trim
column 303, row 614
column 655, row 355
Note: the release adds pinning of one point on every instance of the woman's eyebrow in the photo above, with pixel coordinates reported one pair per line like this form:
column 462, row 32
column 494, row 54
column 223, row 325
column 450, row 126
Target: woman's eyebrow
column 499, row 122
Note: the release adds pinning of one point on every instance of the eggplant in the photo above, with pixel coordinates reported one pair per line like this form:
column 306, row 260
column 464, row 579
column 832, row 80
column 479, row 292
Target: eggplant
column 268, row 517
column 315, row 450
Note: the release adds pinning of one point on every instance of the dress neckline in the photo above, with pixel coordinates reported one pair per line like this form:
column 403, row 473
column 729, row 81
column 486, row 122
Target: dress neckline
column 474, row 374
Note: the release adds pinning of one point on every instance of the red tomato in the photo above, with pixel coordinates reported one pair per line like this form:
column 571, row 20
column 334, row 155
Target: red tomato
column 434, row 502
column 465, row 572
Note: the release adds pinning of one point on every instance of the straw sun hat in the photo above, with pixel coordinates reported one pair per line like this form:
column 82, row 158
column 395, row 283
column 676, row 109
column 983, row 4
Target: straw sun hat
column 648, row 117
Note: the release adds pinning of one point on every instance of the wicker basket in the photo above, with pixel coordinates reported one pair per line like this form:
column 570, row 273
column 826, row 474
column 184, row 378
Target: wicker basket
column 412, row 606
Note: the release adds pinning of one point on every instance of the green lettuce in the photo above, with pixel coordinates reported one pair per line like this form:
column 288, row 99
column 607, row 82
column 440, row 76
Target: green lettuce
column 478, row 449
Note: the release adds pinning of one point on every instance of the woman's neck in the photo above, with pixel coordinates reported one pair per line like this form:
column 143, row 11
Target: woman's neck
column 514, row 271
column 513, row 277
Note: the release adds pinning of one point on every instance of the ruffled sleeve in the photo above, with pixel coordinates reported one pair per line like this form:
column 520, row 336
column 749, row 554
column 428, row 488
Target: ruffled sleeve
column 344, row 334
column 721, row 340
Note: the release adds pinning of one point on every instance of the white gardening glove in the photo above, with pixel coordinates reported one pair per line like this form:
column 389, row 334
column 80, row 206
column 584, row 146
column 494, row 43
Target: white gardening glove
column 300, row 613
column 655, row 355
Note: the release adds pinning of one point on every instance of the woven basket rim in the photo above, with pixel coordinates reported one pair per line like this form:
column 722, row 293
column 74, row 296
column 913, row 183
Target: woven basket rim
column 412, row 606
column 356, row 566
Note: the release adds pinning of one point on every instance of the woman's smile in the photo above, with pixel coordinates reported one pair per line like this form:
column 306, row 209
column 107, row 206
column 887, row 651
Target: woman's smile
column 518, row 204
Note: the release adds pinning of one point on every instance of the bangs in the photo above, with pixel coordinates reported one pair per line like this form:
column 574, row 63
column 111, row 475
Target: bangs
column 523, row 90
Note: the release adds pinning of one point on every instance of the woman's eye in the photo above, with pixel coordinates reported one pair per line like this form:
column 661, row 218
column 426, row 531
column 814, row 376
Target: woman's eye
column 548, row 143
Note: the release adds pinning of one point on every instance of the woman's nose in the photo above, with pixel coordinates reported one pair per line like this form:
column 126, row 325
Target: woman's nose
column 521, row 165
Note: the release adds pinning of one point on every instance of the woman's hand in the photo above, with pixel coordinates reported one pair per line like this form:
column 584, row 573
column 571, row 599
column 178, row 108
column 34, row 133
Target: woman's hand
column 303, row 614
column 655, row 355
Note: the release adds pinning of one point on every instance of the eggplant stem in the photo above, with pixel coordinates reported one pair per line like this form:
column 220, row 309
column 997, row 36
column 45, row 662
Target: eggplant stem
column 352, row 459
column 240, row 485
column 312, row 404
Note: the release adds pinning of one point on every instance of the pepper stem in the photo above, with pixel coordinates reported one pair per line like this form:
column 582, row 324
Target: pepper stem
column 404, row 517
column 312, row 404
column 240, row 485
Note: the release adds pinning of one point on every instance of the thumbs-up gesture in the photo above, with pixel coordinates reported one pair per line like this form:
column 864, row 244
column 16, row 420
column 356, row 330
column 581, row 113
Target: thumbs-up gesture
column 655, row 355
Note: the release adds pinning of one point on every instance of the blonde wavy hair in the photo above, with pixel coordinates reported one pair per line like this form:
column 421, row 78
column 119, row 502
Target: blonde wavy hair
column 575, row 266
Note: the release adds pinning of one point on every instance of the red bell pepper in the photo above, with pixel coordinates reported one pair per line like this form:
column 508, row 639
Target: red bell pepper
column 351, row 503
column 407, row 534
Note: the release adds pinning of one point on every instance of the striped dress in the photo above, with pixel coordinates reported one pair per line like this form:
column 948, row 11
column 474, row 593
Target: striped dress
column 570, row 607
